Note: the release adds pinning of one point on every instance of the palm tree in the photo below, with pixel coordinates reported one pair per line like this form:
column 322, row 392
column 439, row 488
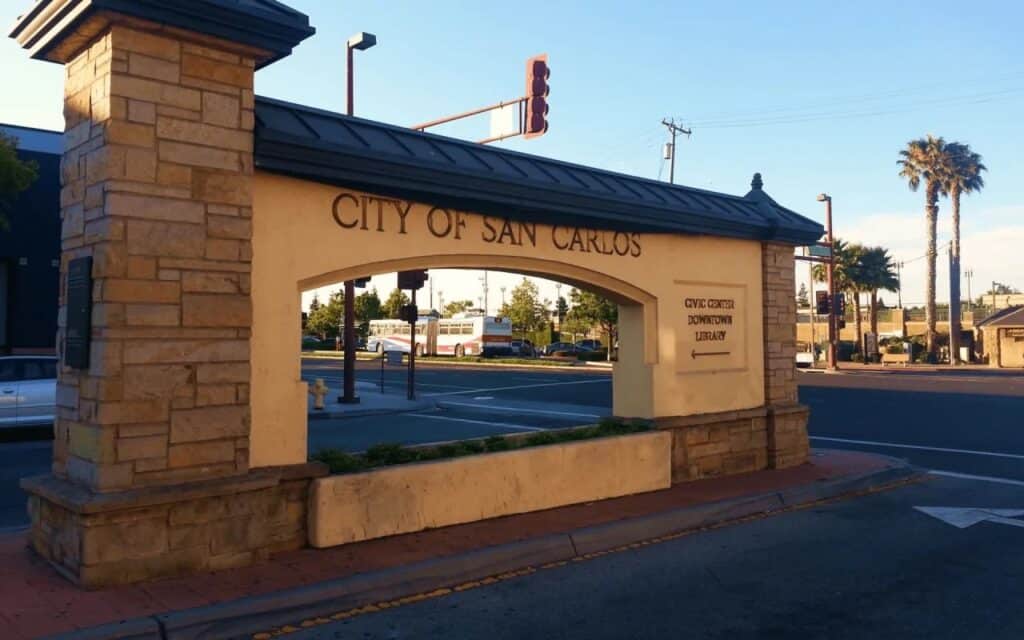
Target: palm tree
column 878, row 272
column 926, row 160
column 964, row 177
column 846, row 276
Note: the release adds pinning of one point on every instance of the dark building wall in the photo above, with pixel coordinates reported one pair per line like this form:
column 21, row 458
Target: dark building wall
column 30, row 249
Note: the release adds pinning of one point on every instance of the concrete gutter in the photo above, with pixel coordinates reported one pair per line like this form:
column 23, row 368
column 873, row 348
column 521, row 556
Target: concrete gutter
column 246, row 616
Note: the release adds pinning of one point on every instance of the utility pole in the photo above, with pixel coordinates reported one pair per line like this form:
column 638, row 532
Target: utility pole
column 674, row 130
column 899, row 285
column 811, row 309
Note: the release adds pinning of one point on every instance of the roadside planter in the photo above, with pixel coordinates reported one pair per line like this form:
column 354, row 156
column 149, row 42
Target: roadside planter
column 425, row 495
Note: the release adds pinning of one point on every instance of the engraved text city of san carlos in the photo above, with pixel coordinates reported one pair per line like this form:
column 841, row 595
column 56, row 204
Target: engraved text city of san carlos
column 389, row 215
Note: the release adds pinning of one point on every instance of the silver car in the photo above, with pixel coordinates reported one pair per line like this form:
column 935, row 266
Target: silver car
column 28, row 390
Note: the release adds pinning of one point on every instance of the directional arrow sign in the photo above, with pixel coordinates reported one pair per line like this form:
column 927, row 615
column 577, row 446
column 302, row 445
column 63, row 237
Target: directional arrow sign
column 697, row 354
column 963, row 517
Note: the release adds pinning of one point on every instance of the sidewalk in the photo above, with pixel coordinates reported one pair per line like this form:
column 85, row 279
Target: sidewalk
column 35, row 601
column 371, row 402
column 964, row 369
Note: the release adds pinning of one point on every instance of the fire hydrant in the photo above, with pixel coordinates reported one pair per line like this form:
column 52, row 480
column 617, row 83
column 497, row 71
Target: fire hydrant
column 318, row 391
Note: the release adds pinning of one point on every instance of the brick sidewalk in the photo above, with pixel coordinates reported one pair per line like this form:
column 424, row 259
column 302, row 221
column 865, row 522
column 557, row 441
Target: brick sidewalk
column 35, row 601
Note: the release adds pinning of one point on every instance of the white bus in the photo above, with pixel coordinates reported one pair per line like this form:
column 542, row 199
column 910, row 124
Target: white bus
column 393, row 335
column 459, row 336
column 470, row 336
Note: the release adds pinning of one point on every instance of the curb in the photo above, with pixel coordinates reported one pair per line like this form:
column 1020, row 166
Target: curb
column 251, row 615
column 362, row 413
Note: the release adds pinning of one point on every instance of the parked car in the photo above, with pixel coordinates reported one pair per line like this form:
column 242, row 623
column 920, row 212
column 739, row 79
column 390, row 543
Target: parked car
column 28, row 390
column 589, row 344
column 555, row 347
column 804, row 359
column 523, row 348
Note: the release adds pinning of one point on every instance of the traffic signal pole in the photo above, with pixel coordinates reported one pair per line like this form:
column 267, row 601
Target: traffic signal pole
column 412, row 351
column 832, row 320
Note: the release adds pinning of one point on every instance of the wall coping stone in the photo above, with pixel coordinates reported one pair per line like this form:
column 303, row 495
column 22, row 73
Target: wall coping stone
column 673, row 422
column 80, row 500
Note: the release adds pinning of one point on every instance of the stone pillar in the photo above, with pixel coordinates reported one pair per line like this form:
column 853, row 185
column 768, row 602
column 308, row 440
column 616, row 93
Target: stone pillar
column 787, row 419
column 151, row 455
column 156, row 179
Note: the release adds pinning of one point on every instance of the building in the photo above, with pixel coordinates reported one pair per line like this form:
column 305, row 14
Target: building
column 30, row 249
column 1001, row 337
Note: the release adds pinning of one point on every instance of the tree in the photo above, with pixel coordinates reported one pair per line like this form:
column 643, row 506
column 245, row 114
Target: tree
column 367, row 307
column 846, row 276
column 877, row 272
column 393, row 305
column 561, row 308
column 926, row 161
column 459, row 306
column 801, row 297
column 15, row 176
column 963, row 177
column 524, row 308
column 597, row 311
column 325, row 320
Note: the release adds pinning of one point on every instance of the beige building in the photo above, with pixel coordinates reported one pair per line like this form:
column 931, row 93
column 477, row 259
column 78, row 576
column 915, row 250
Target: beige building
column 1001, row 338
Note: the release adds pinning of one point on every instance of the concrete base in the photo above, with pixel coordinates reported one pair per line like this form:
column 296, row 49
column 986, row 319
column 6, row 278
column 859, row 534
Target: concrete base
column 99, row 540
column 406, row 498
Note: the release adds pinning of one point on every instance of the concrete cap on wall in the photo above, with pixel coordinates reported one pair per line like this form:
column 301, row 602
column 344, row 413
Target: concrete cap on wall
column 56, row 30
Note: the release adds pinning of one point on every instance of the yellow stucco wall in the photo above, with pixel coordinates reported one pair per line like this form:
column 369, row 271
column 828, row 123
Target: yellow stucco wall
column 406, row 498
column 308, row 234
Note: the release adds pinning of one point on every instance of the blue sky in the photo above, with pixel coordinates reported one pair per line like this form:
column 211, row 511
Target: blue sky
column 816, row 96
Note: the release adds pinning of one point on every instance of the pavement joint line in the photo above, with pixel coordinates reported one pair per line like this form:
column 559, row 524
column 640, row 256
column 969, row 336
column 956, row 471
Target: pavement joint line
column 503, row 425
column 542, row 412
column 969, row 476
column 520, row 386
column 578, row 558
column 896, row 445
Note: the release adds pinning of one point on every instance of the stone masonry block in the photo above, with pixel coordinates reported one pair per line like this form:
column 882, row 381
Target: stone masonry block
column 217, row 70
column 155, row 208
column 216, row 310
column 165, row 239
column 201, row 453
column 209, row 423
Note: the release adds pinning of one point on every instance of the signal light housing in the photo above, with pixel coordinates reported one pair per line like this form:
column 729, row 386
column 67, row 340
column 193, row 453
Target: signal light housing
column 537, row 90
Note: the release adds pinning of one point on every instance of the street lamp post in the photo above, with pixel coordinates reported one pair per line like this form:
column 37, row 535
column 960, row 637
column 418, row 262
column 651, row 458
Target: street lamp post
column 827, row 199
column 361, row 41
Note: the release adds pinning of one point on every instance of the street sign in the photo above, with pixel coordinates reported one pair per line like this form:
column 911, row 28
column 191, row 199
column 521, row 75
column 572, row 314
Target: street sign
column 819, row 251
column 963, row 517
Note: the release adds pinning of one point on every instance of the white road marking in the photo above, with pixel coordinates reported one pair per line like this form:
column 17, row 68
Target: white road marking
column 963, row 517
column 968, row 476
column 419, row 383
column 521, row 386
column 484, row 398
column 502, row 425
column 542, row 412
column 894, row 445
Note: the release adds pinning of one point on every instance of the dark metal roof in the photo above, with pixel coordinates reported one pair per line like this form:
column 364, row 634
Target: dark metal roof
column 1010, row 316
column 264, row 24
column 398, row 162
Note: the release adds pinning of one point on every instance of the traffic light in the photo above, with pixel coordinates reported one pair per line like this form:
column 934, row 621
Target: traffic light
column 537, row 89
column 409, row 313
column 412, row 280
column 360, row 283
column 821, row 303
column 841, row 305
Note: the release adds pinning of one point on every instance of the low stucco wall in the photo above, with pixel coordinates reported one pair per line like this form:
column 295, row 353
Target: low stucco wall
column 408, row 498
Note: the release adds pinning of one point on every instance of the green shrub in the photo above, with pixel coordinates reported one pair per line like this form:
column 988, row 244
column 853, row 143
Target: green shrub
column 388, row 454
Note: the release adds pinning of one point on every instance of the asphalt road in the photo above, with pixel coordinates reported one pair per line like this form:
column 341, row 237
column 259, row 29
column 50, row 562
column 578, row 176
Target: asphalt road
column 873, row 567
column 966, row 424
